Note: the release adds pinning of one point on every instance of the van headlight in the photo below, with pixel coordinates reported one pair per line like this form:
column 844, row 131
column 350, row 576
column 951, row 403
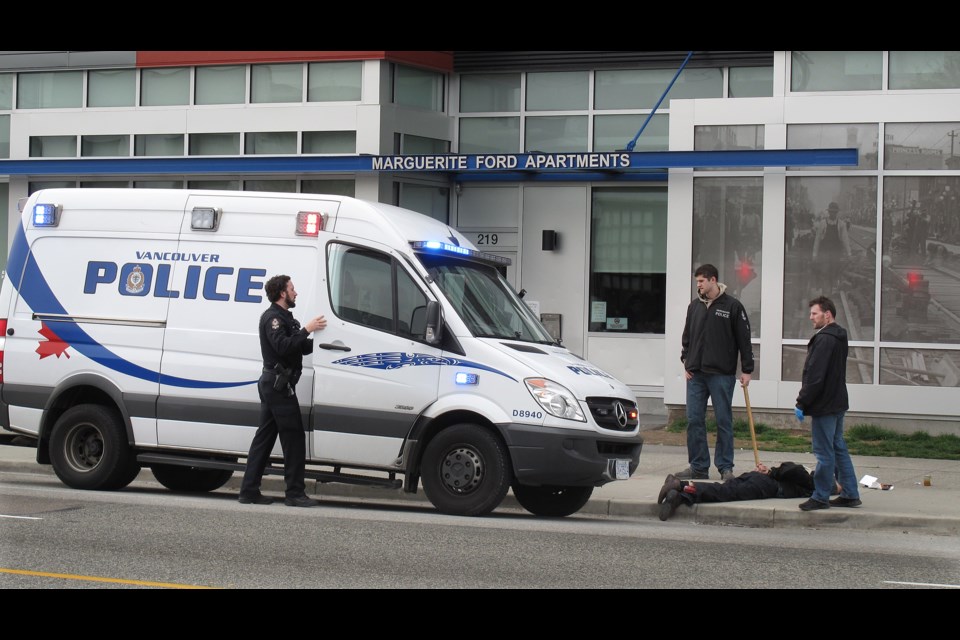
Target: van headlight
column 555, row 399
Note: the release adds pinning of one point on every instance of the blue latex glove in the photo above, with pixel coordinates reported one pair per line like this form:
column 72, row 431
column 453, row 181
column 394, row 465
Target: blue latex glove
column 799, row 413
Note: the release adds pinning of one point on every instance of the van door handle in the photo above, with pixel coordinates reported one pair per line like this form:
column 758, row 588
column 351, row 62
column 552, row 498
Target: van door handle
column 335, row 346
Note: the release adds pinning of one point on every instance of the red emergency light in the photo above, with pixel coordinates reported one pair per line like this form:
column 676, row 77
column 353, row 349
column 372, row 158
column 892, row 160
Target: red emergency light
column 309, row 223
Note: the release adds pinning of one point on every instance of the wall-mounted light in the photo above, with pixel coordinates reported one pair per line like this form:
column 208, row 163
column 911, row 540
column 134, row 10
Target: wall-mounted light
column 550, row 240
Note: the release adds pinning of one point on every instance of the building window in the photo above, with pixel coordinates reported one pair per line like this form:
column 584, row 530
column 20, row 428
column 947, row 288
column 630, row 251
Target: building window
column 334, row 81
column 641, row 89
column 53, row 146
column 50, row 90
column 556, row 134
column 836, row 70
column 612, row 133
column 750, row 82
column 105, row 184
column 112, row 88
column 489, row 92
column 628, row 260
column 276, row 83
column 332, row 187
column 337, row 142
column 426, row 199
column 859, row 361
column 6, row 91
column 490, row 135
column 214, row 144
column 4, row 136
column 558, row 91
column 220, row 85
column 33, row 187
column 158, row 184
column 278, row 186
column 924, row 70
column 270, row 142
column 919, row 239
column 418, row 88
column 922, row 145
column 829, row 246
column 727, row 231
column 215, row 185
column 728, row 138
column 164, row 87
column 862, row 137
column 98, row 146
column 419, row 145
column 158, row 144
column 920, row 367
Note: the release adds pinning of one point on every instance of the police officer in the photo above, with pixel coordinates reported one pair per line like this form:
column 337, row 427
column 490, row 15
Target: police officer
column 283, row 343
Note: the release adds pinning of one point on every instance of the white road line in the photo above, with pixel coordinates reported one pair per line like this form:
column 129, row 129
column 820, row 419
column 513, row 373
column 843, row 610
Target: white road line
column 924, row 584
column 20, row 517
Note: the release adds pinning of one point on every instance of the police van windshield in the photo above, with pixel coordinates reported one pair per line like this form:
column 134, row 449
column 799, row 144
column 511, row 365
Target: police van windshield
column 485, row 301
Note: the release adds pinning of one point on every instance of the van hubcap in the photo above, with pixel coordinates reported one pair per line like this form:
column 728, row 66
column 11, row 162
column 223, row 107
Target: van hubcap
column 461, row 470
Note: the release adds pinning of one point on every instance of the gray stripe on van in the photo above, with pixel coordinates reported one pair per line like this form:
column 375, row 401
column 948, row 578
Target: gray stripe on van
column 241, row 414
column 367, row 422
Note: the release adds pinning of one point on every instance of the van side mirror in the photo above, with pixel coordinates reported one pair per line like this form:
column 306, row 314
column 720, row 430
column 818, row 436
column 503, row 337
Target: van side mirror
column 434, row 332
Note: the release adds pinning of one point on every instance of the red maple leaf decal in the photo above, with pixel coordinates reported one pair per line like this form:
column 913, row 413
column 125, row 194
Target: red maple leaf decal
column 53, row 346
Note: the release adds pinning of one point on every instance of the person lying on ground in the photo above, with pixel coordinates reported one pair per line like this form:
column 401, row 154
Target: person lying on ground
column 788, row 480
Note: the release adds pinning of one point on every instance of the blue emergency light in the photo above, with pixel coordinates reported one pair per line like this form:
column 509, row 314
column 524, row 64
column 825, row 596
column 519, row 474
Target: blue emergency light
column 466, row 378
column 46, row 215
column 436, row 246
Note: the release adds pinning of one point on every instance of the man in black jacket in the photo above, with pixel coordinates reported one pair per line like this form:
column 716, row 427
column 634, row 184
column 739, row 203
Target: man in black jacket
column 716, row 332
column 283, row 342
column 823, row 396
column 789, row 480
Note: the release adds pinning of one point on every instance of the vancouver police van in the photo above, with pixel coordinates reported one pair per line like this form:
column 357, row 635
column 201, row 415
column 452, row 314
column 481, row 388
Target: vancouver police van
column 129, row 340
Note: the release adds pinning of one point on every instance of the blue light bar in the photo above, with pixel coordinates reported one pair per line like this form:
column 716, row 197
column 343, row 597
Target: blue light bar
column 435, row 246
column 466, row 378
column 46, row 215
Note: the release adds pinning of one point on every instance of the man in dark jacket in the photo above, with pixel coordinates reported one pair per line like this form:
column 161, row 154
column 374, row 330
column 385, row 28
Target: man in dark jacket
column 823, row 396
column 716, row 332
column 283, row 343
column 789, row 480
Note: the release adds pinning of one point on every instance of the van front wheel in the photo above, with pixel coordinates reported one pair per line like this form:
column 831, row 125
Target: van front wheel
column 89, row 449
column 554, row 502
column 466, row 471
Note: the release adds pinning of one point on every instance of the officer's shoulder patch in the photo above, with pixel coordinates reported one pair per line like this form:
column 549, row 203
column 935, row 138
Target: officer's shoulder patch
column 275, row 324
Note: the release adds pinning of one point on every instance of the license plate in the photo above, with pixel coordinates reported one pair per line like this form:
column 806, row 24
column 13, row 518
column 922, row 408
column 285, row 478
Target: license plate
column 623, row 469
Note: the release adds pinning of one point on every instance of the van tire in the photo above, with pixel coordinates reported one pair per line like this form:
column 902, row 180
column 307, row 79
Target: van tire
column 191, row 479
column 482, row 466
column 89, row 449
column 552, row 502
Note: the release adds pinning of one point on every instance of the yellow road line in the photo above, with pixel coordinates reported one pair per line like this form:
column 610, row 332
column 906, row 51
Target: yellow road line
column 68, row 576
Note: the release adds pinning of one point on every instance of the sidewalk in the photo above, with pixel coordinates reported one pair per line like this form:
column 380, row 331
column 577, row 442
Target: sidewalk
column 909, row 507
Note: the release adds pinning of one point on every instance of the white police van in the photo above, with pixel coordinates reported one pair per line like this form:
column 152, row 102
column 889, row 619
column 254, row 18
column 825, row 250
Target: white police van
column 129, row 339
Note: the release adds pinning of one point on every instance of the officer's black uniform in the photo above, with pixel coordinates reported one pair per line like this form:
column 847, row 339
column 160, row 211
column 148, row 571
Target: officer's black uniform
column 281, row 340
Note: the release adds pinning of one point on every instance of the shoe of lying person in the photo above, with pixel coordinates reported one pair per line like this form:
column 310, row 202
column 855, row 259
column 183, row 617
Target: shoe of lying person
column 671, row 482
column 669, row 504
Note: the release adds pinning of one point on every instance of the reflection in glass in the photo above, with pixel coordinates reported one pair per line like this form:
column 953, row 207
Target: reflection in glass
column 920, row 283
column 924, row 69
column 727, row 228
column 611, row 133
column 728, row 138
column 920, row 367
column 862, row 137
column 830, row 235
column 756, row 364
column 922, row 145
column 859, row 362
column 835, row 70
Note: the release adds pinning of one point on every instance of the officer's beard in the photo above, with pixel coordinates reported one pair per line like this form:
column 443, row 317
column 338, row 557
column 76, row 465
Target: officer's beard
column 290, row 302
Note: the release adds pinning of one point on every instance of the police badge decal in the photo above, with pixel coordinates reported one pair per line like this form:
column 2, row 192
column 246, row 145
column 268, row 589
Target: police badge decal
column 275, row 324
column 135, row 280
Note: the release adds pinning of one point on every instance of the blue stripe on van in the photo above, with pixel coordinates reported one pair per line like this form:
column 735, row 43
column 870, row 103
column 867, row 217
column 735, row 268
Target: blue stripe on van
column 397, row 359
column 27, row 278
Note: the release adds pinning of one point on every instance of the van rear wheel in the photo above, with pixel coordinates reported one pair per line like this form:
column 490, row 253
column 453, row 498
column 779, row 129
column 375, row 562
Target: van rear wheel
column 466, row 470
column 89, row 449
column 553, row 502
column 193, row 479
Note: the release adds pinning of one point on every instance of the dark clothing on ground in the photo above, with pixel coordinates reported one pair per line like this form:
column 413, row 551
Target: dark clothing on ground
column 714, row 335
column 824, row 389
column 281, row 341
column 789, row 480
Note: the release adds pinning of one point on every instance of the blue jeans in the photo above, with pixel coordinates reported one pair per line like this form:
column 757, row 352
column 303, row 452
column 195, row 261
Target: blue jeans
column 833, row 459
column 720, row 390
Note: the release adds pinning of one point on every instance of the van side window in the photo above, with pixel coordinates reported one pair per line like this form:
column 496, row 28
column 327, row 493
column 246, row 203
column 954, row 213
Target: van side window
column 369, row 288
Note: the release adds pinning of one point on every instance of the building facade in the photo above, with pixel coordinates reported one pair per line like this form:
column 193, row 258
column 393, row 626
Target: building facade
column 606, row 256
